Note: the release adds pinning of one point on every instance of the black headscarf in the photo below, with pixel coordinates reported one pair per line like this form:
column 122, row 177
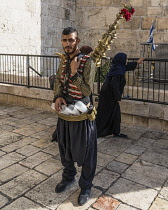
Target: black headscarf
column 118, row 66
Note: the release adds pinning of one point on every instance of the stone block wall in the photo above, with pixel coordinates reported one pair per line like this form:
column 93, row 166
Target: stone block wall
column 55, row 15
column 93, row 18
column 143, row 114
column 34, row 26
column 20, row 26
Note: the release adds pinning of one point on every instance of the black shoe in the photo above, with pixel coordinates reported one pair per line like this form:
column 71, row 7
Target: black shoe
column 84, row 196
column 61, row 187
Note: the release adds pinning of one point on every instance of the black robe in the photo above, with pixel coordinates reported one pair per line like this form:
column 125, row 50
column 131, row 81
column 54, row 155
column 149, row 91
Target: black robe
column 108, row 117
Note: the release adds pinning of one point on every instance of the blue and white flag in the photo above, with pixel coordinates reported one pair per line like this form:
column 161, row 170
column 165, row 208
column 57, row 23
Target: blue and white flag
column 151, row 38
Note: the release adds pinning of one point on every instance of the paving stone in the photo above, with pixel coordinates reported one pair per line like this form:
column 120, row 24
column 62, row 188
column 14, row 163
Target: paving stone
column 48, row 121
column 126, row 158
column 105, row 178
column 106, row 203
column 23, row 204
column 57, row 157
column 72, row 201
column 13, row 108
column 3, row 112
column 117, row 167
column 42, row 135
column 135, row 150
column 125, row 207
column 40, row 116
column 134, row 132
column 30, row 129
column 20, row 114
column 52, row 149
column 19, row 123
column 35, row 159
column 7, row 120
column 11, row 172
column 13, row 146
column 28, row 150
column 51, row 129
column 165, row 136
column 98, row 169
column 114, row 159
column 114, row 146
column 3, row 201
column 22, row 183
column 145, row 142
column 45, row 194
column 147, row 174
column 49, row 167
column 31, row 111
column 3, row 116
column 161, row 144
column 103, row 159
column 42, row 143
column 164, row 191
column 2, row 153
column 153, row 134
column 159, row 204
column 9, row 137
column 100, row 140
column 6, row 128
column 156, row 156
column 10, row 159
column 132, row 193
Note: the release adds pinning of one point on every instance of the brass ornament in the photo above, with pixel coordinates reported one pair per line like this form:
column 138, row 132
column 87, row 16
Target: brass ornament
column 108, row 37
column 61, row 56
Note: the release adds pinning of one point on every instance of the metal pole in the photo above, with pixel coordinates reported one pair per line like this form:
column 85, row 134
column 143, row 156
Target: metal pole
column 28, row 71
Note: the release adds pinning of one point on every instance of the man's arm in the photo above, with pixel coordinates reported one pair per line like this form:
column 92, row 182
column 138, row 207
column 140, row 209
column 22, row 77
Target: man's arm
column 85, row 82
column 58, row 88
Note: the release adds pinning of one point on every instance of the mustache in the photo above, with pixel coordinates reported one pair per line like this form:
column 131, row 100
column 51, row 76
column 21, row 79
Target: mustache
column 68, row 47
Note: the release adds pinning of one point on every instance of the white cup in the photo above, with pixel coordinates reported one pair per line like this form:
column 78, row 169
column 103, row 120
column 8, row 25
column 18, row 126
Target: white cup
column 53, row 106
column 81, row 106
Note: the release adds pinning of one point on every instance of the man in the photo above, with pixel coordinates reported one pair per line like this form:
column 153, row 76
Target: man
column 77, row 140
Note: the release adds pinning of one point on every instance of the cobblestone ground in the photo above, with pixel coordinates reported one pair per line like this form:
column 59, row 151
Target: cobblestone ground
column 131, row 173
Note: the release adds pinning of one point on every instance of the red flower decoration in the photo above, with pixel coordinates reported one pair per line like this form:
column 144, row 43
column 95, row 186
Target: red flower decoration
column 132, row 11
column 127, row 12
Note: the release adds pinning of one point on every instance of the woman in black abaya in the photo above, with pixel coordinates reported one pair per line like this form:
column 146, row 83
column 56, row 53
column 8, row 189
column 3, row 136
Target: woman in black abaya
column 108, row 112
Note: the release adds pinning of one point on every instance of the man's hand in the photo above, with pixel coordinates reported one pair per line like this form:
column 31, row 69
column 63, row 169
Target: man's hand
column 58, row 103
column 75, row 65
column 140, row 61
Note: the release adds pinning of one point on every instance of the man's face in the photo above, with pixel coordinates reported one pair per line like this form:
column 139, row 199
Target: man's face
column 70, row 43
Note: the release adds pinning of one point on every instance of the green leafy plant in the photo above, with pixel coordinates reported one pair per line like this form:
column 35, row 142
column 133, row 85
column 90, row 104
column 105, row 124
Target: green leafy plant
column 103, row 71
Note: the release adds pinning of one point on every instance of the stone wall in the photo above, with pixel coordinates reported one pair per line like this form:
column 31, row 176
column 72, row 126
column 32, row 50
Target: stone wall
column 20, row 29
column 55, row 15
column 34, row 26
column 93, row 18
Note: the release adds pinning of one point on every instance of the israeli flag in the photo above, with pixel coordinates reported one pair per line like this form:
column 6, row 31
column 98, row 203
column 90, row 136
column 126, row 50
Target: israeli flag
column 151, row 38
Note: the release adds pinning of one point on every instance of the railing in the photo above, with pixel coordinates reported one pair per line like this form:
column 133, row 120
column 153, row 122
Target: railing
column 27, row 70
column 149, row 82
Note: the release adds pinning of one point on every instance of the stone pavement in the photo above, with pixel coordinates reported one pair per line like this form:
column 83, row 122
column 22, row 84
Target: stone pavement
column 131, row 173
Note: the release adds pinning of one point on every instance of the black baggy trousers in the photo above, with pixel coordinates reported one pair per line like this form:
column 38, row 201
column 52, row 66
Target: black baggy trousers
column 89, row 162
